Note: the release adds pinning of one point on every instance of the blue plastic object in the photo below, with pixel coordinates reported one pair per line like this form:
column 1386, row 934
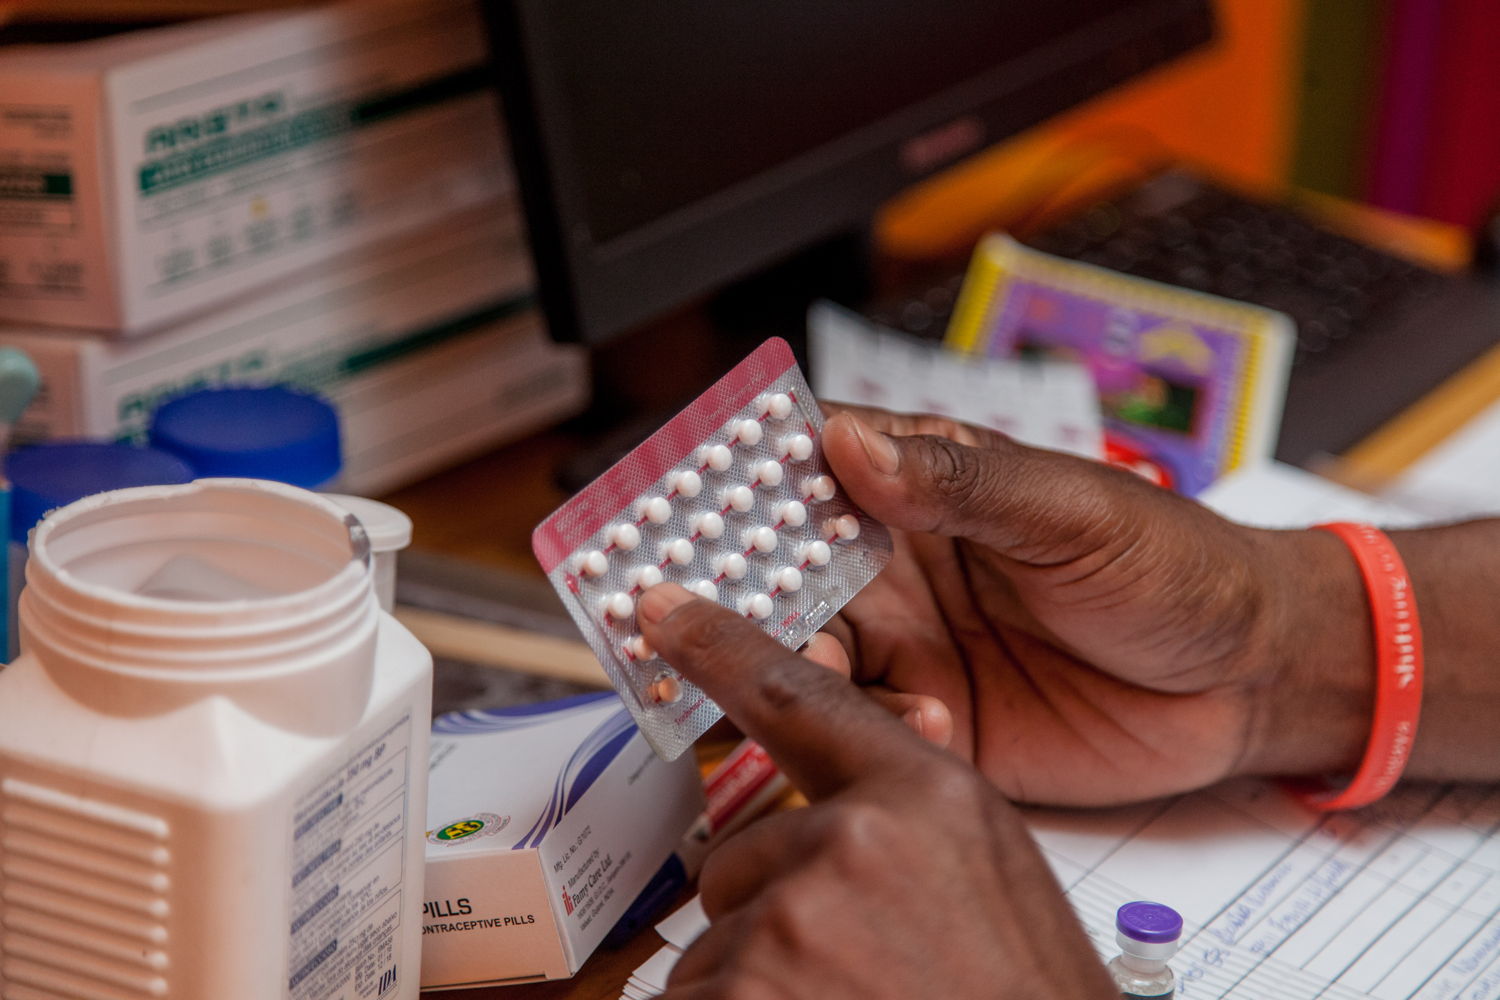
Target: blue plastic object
column 263, row 432
column 55, row 473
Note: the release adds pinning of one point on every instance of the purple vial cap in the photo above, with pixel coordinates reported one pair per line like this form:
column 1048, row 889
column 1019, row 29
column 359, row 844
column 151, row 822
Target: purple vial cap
column 1152, row 923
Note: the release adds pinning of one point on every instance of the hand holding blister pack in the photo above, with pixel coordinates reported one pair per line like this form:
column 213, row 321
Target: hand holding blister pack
column 733, row 500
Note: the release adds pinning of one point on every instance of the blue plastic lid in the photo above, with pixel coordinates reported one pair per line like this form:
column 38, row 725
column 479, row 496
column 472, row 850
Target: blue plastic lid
column 55, row 473
column 262, row 432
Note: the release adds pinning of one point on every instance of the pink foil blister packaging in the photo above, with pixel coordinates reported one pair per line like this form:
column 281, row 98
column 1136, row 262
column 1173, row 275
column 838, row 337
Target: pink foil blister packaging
column 732, row 499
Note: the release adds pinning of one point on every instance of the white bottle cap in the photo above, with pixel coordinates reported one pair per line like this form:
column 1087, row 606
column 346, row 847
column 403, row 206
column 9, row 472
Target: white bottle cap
column 389, row 531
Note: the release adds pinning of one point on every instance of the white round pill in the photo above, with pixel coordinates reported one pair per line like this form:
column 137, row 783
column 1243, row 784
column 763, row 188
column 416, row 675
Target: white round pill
column 758, row 606
column 819, row 487
column 717, row 457
column 793, row 513
column 687, row 483
column 740, row 498
column 639, row 648
column 679, row 551
column 845, row 528
column 768, row 473
column 815, row 553
column 709, row 524
column 787, row 578
column 619, row 605
column 665, row 690
column 777, row 406
column 593, row 563
column 625, row 537
column 747, row 432
column 797, row 447
column 761, row 539
column 705, row 588
column 646, row 577
column 732, row 566
column 657, row 510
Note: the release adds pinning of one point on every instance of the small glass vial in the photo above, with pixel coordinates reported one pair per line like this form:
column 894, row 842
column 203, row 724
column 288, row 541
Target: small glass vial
column 1148, row 934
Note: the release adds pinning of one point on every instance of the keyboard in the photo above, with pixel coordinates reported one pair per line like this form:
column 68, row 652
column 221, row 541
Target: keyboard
column 1374, row 332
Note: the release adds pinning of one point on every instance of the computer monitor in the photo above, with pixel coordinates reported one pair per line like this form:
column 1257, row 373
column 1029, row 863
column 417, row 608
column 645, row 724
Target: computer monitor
column 666, row 148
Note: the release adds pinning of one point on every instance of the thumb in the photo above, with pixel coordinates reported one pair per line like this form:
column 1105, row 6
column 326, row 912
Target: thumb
column 1031, row 505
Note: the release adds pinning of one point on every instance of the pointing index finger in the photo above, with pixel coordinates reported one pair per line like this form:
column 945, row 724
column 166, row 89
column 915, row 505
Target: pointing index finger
column 819, row 728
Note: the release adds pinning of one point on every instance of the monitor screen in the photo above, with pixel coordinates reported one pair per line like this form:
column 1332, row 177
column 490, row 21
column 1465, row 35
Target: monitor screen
column 667, row 147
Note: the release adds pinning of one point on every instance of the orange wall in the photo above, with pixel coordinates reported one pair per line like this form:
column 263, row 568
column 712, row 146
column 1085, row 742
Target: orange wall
column 1227, row 108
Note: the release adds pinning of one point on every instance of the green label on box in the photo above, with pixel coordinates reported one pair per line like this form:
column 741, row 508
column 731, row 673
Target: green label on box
column 35, row 184
column 232, row 150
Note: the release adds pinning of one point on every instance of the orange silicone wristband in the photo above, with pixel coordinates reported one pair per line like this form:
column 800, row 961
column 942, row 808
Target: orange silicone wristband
column 1398, row 670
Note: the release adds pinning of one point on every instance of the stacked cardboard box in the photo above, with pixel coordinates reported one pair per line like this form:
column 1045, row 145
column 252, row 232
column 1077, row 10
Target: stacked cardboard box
column 317, row 196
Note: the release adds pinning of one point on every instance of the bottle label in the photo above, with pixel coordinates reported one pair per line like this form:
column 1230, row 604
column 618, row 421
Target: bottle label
column 349, row 837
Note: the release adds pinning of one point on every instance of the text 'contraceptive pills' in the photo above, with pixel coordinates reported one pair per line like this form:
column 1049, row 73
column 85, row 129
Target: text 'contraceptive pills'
column 731, row 499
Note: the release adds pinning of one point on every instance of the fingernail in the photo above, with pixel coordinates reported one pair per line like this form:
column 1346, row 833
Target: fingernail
column 913, row 720
column 660, row 601
column 878, row 448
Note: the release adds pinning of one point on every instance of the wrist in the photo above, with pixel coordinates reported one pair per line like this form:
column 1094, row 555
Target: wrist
column 1312, row 680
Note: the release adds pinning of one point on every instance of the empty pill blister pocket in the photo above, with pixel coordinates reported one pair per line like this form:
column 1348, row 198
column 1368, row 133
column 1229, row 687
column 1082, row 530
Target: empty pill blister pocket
column 732, row 499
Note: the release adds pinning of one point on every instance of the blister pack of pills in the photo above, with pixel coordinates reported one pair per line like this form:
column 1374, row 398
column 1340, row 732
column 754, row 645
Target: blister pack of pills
column 732, row 499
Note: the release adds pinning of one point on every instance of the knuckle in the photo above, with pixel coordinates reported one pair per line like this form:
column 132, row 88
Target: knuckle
column 954, row 472
column 793, row 919
column 708, row 632
column 788, row 683
column 861, row 838
column 954, row 789
column 965, row 481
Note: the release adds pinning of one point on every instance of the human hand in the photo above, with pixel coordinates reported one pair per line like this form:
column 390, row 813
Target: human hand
column 1085, row 637
column 908, row 875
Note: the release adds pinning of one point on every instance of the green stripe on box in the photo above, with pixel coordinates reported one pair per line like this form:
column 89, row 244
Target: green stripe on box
column 305, row 128
column 419, row 339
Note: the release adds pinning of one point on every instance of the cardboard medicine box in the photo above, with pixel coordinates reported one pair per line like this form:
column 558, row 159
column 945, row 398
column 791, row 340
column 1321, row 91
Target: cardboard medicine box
column 544, row 825
column 155, row 174
column 429, row 346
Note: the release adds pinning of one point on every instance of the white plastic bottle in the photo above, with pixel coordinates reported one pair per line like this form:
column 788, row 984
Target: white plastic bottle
column 213, row 756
